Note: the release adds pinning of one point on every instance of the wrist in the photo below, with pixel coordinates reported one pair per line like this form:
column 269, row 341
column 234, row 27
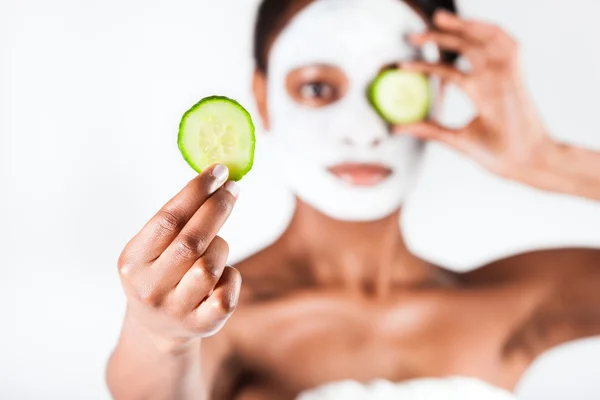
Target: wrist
column 545, row 167
column 161, row 342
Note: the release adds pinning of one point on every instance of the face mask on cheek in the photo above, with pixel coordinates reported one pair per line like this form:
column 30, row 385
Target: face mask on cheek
column 306, row 144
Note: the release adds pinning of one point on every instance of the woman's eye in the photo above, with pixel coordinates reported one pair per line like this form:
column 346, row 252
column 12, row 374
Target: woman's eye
column 316, row 90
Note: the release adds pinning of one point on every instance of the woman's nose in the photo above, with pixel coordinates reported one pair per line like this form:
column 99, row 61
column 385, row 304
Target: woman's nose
column 360, row 125
column 365, row 131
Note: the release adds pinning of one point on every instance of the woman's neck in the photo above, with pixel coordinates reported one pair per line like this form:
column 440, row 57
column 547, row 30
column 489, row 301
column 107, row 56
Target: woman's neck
column 363, row 257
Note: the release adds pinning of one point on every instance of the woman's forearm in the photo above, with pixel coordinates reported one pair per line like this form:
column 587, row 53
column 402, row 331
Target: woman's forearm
column 567, row 169
column 141, row 368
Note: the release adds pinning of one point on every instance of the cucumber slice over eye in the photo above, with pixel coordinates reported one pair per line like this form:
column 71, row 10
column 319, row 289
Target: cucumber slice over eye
column 218, row 129
column 401, row 97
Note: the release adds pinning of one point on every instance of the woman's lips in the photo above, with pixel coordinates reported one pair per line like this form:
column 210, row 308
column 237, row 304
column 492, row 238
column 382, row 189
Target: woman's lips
column 361, row 174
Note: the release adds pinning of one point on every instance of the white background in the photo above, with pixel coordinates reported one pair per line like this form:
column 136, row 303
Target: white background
column 91, row 93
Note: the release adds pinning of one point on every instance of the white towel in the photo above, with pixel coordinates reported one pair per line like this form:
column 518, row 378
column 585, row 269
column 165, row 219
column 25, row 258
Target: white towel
column 452, row 388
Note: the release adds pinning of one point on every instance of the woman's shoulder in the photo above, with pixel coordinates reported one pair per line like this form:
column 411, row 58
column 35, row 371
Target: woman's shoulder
column 537, row 264
column 548, row 296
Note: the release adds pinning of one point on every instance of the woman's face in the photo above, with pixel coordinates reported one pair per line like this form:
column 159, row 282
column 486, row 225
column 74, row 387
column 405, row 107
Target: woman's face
column 332, row 148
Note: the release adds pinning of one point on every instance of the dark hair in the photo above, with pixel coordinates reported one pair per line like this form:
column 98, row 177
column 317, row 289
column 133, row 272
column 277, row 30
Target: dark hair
column 272, row 18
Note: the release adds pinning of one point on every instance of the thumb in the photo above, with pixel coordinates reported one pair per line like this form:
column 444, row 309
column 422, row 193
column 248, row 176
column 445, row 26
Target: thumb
column 428, row 131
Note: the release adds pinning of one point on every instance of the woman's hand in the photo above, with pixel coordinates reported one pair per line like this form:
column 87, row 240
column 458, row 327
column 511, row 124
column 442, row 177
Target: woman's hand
column 174, row 270
column 507, row 136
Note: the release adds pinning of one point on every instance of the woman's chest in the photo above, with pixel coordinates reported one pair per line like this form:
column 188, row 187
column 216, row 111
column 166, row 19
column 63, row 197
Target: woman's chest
column 307, row 341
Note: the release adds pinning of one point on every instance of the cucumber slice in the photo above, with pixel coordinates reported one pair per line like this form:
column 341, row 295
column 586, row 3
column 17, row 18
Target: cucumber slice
column 401, row 97
column 218, row 129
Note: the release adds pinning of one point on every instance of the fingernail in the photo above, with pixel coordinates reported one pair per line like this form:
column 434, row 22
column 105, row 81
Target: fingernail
column 233, row 188
column 220, row 172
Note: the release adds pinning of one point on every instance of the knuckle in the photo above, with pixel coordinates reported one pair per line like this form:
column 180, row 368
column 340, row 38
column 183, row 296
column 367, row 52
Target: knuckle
column 125, row 266
column 202, row 242
column 226, row 301
column 206, row 270
column 151, row 297
column 186, row 246
column 226, row 304
column 125, row 271
column 169, row 221
column 498, row 60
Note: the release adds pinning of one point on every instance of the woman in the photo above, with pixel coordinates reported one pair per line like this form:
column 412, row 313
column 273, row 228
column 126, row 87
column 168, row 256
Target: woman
column 338, row 296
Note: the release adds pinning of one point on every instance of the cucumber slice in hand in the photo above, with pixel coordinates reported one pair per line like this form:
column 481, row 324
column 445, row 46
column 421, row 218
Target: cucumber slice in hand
column 401, row 97
column 218, row 130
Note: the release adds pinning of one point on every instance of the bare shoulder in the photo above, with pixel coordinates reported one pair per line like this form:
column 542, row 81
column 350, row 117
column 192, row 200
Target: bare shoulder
column 547, row 264
column 559, row 289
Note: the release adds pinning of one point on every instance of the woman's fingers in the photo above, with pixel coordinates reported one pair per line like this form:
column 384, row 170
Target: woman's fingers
column 180, row 233
column 450, row 22
column 476, row 32
column 198, row 233
column 212, row 313
column 430, row 131
column 160, row 231
column 445, row 41
column 451, row 42
column 200, row 280
column 486, row 38
column 446, row 72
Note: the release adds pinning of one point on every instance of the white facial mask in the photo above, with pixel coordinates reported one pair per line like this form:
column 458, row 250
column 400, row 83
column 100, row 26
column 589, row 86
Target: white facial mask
column 360, row 37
